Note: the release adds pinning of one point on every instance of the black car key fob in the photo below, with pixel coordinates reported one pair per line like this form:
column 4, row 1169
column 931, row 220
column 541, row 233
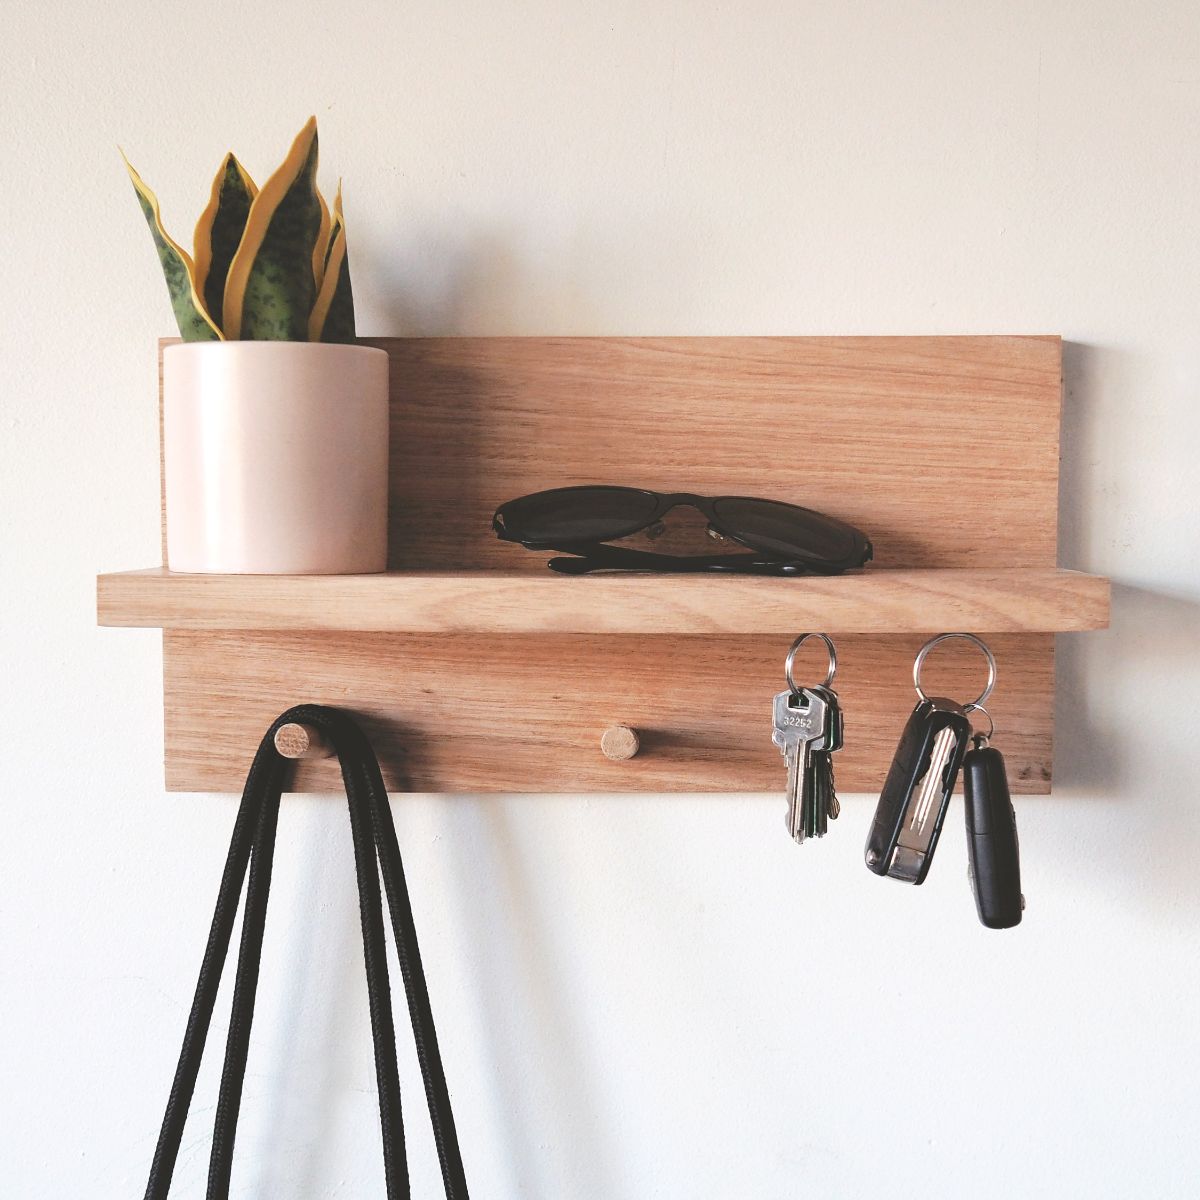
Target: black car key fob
column 995, row 860
column 917, row 791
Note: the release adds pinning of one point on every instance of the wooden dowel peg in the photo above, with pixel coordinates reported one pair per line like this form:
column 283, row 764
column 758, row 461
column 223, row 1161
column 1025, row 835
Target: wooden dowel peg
column 296, row 740
column 619, row 743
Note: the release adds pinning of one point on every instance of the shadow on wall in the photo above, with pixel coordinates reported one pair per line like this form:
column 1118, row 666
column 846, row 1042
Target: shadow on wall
column 291, row 1107
column 1153, row 634
column 1117, row 735
column 517, row 943
column 323, row 959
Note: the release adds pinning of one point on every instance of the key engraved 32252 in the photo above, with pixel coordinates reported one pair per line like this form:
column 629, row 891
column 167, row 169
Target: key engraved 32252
column 797, row 722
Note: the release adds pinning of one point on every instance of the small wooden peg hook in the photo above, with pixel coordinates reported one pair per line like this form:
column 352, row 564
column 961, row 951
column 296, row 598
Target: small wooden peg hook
column 619, row 743
column 296, row 740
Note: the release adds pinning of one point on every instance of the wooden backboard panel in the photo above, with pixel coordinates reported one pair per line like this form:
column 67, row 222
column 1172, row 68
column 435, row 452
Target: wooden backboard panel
column 525, row 712
column 944, row 450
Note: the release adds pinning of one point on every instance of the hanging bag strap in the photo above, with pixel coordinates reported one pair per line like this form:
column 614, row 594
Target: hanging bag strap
column 251, row 850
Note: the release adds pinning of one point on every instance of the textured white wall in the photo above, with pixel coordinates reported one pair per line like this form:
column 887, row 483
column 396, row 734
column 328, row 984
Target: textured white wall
column 637, row 996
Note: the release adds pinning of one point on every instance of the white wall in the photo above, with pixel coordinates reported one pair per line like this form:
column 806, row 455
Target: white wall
column 646, row 996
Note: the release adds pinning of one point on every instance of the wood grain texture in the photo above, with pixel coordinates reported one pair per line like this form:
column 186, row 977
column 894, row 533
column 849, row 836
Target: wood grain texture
column 1019, row 599
column 944, row 450
column 450, row 713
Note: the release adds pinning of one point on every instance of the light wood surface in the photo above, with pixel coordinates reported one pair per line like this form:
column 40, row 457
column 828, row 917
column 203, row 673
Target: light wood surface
column 526, row 712
column 620, row 743
column 297, row 740
column 943, row 449
column 871, row 601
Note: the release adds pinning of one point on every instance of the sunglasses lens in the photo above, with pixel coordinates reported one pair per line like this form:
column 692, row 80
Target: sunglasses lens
column 789, row 531
column 578, row 514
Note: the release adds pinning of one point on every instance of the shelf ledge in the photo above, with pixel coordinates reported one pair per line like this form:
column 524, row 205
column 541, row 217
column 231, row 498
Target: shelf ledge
column 1013, row 600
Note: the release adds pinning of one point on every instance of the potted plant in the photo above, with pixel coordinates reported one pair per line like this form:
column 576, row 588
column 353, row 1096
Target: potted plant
column 275, row 422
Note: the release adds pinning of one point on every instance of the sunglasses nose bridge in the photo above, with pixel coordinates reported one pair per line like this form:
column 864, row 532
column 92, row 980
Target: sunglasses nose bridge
column 675, row 499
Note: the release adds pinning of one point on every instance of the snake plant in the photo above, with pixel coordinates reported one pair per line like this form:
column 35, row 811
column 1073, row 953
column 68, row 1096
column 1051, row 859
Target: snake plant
column 268, row 264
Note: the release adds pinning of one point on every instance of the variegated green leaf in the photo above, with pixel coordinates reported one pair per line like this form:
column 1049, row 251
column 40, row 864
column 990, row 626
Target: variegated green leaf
column 333, row 314
column 219, row 232
column 270, row 289
column 336, row 222
column 195, row 325
column 321, row 247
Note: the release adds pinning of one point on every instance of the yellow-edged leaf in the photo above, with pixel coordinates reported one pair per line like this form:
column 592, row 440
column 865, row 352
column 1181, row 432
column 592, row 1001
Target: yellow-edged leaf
column 195, row 324
column 336, row 223
column 219, row 232
column 332, row 317
column 269, row 291
column 321, row 249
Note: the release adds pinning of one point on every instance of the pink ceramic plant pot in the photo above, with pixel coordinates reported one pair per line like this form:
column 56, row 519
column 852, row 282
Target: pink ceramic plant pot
column 275, row 456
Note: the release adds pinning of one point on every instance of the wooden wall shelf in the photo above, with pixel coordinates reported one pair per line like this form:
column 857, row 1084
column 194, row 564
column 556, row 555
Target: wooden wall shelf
column 506, row 677
column 1015, row 600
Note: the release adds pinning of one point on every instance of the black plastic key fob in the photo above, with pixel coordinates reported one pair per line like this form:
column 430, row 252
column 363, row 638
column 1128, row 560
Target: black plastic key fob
column 917, row 791
column 992, row 839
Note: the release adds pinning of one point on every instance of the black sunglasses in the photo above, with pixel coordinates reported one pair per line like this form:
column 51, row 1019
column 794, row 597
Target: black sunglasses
column 783, row 539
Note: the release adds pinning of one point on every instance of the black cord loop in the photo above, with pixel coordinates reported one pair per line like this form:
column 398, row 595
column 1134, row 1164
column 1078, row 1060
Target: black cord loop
column 251, row 850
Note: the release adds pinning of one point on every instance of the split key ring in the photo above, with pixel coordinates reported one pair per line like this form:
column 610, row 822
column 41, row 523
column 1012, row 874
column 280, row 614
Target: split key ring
column 791, row 659
column 942, row 637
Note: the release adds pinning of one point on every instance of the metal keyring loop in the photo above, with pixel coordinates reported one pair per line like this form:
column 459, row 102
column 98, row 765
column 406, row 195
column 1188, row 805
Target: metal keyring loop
column 970, row 637
column 791, row 659
column 977, row 707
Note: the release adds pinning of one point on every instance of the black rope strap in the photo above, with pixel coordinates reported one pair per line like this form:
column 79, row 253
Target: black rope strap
column 252, row 849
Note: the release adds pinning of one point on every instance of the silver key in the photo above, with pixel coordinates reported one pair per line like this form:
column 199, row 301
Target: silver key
column 801, row 722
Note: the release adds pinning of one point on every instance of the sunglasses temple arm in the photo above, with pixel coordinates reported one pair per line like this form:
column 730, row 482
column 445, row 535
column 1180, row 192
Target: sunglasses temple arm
column 599, row 557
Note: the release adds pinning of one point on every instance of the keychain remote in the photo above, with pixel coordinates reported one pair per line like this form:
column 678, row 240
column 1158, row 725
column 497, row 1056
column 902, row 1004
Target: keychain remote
column 992, row 848
column 916, row 794
column 917, row 791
